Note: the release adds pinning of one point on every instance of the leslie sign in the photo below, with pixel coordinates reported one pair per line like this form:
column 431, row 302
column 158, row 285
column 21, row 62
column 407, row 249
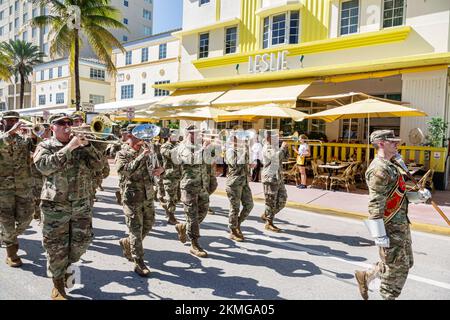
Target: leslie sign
column 268, row 62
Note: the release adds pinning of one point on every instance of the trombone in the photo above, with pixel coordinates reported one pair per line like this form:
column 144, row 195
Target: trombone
column 99, row 130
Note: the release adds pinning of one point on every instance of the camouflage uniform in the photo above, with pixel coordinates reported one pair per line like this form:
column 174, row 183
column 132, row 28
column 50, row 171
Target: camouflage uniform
column 16, row 209
column 272, row 178
column 137, row 189
column 237, row 187
column 66, row 201
column 194, row 184
column 38, row 182
column 171, row 177
column 99, row 174
column 159, row 184
column 397, row 259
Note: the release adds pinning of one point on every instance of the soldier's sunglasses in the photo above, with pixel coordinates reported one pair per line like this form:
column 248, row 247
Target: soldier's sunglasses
column 64, row 123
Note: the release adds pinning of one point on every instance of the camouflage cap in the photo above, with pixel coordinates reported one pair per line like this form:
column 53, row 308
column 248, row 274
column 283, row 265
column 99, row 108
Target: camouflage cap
column 59, row 116
column 10, row 115
column 77, row 115
column 386, row 135
column 192, row 128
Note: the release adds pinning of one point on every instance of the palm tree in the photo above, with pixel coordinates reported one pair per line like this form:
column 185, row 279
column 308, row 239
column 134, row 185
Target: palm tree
column 23, row 56
column 69, row 20
column 5, row 73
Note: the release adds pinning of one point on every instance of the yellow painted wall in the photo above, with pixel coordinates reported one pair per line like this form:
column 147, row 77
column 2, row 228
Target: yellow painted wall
column 315, row 16
column 315, row 20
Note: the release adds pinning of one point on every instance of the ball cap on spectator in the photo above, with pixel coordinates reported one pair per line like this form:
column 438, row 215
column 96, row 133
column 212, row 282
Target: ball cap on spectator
column 384, row 135
column 10, row 115
column 59, row 116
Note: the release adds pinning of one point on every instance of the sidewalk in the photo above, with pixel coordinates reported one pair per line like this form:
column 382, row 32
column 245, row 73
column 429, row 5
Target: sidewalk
column 423, row 216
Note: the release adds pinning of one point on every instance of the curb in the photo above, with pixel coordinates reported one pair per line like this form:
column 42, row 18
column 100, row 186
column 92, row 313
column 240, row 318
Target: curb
column 429, row 228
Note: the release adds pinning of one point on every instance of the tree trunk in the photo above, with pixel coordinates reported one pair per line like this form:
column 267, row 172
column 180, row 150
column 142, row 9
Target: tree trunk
column 77, row 73
column 22, row 90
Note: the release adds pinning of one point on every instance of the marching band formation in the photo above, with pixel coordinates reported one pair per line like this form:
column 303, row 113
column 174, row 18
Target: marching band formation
column 60, row 165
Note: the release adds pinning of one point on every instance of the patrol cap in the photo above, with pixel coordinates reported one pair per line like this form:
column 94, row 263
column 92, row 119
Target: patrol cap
column 386, row 135
column 130, row 127
column 192, row 128
column 59, row 116
column 10, row 115
column 77, row 115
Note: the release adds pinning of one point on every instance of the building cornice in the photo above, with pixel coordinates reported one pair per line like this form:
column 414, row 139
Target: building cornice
column 148, row 63
column 395, row 65
column 216, row 25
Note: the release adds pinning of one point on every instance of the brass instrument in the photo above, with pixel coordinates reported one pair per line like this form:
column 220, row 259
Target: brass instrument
column 146, row 132
column 99, row 130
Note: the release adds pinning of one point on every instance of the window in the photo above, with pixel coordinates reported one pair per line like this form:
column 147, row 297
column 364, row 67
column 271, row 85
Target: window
column 50, row 98
column 1, row 31
column 125, row 3
column 349, row 17
column 25, row 36
column 96, row 99
column 393, row 13
column 125, row 21
column 147, row 14
column 60, row 98
column 143, row 88
column 202, row 2
column 127, row 91
column 203, row 45
column 50, row 75
column 128, row 57
column 16, row 5
column 34, row 12
column 144, row 55
column 41, row 99
column 147, row 30
column 230, row 40
column 33, row 32
column 120, row 77
column 42, row 75
column 1, row 15
column 25, row 17
column 16, row 22
column 124, row 38
column 281, row 29
column 162, row 51
column 161, row 92
column 45, row 48
column 59, row 72
column 97, row 74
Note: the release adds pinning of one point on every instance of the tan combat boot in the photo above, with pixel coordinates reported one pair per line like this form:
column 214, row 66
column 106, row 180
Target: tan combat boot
column 235, row 235
column 119, row 197
column 140, row 268
column 264, row 217
column 126, row 248
column 181, row 229
column 12, row 259
column 361, row 278
column 196, row 250
column 172, row 220
column 271, row 227
column 58, row 291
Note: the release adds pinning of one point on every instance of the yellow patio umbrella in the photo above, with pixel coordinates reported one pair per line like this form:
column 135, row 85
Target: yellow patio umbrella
column 200, row 114
column 268, row 111
column 368, row 108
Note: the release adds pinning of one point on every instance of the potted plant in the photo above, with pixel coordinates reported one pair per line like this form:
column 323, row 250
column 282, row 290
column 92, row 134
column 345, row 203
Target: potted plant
column 437, row 130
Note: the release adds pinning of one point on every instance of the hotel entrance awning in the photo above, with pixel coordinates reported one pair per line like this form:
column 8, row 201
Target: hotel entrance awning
column 282, row 93
column 192, row 98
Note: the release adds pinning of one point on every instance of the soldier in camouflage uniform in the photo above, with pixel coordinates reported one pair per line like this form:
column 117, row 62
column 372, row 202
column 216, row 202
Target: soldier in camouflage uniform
column 66, row 163
column 194, row 189
column 16, row 209
column 159, row 185
column 237, row 187
column 388, row 219
column 272, row 178
column 136, row 167
column 210, row 166
column 171, row 177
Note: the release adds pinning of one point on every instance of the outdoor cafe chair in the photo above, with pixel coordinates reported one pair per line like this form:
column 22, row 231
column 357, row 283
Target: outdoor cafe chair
column 344, row 178
column 319, row 176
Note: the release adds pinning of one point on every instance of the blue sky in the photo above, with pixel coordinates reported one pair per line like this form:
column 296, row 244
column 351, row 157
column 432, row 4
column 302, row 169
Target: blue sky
column 167, row 15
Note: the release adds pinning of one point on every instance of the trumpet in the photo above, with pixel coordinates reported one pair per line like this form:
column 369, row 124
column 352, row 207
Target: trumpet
column 37, row 129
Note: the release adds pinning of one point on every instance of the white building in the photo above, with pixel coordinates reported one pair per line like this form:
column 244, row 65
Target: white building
column 148, row 61
column 137, row 16
column 54, row 87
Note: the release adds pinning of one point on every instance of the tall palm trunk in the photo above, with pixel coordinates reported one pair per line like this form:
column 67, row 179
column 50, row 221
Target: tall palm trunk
column 77, row 72
column 22, row 89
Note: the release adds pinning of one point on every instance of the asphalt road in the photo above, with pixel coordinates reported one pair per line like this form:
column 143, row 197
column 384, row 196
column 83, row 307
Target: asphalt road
column 313, row 258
